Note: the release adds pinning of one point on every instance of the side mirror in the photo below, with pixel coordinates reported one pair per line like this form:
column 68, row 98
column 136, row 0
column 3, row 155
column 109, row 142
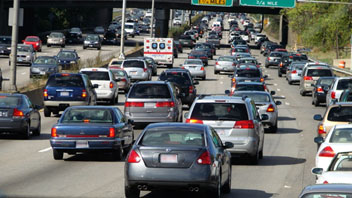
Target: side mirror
column 47, row 36
column 78, row 57
column 130, row 121
column 196, row 82
column 227, row 92
column 95, row 86
column 272, row 93
column 264, row 117
column 265, row 76
column 186, row 115
column 319, row 140
column 278, row 103
column 228, row 145
column 317, row 117
column 317, row 171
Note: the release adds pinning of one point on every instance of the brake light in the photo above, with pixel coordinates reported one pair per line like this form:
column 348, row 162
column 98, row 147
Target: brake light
column 45, row 93
column 111, row 85
column 53, row 132
column 191, row 57
column 281, row 65
column 133, row 157
column 84, row 93
column 134, row 104
column 194, row 121
column 190, row 89
column 270, row 108
column 165, row 104
column 321, row 129
column 261, row 79
column 294, row 72
column 244, row 124
column 204, row 158
column 216, row 63
column 233, row 64
column 333, row 95
column 111, row 132
column 327, row 152
column 144, row 69
column 17, row 113
column 308, row 78
column 202, row 68
column 203, row 57
column 182, row 67
column 123, row 80
column 325, row 182
column 65, row 74
column 269, row 58
column 319, row 89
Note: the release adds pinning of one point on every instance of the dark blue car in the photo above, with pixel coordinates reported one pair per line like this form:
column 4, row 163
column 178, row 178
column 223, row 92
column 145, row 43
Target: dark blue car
column 92, row 128
column 67, row 58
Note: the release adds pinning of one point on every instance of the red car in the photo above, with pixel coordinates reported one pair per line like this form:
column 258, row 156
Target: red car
column 34, row 41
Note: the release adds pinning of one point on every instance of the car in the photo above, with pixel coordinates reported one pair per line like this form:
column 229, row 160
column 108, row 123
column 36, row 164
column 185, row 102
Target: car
column 205, row 47
column 67, row 58
column 25, row 54
column 178, row 46
column 235, row 119
column 122, row 78
column 199, row 54
column 258, row 36
column 131, row 29
column 74, row 35
column 195, row 160
column 273, row 59
column 19, row 116
column 265, row 105
column 34, row 41
column 108, row 90
column 137, row 69
column 264, row 45
column 152, row 65
column 247, row 86
column 337, row 87
column 338, row 172
column 310, row 74
column 326, row 190
column 5, row 45
column 195, row 67
column 286, row 61
column 294, row 72
column 225, row 64
column 153, row 101
column 63, row 90
column 56, row 38
column 247, row 72
column 83, row 129
column 115, row 63
column 215, row 40
column 238, row 42
column 99, row 30
column 249, row 60
column 44, row 66
column 240, row 55
column 110, row 37
column 186, row 41
column 236, row 49
column 183, row 80
column 321, row 88
column 336, row 113
column 92, row 41
column 191, row 34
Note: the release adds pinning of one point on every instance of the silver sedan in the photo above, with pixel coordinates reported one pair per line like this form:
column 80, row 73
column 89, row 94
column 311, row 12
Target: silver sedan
column 225, row 64
column 195, row 67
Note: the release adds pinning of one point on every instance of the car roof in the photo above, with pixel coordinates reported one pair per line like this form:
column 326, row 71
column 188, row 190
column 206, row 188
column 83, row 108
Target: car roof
column 249, row 83
column 345, row 188
column 67, row 50
column 340, row 104
column 92, row 107
column 177, row 69
column 342, row 126
column 94, row 69
column 213, row 98
column 172, row 125
column 151, row 82
column 12, row 94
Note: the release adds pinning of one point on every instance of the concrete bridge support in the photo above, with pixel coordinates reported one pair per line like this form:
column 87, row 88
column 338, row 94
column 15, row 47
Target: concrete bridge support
column 162, row 22
column 283, row 31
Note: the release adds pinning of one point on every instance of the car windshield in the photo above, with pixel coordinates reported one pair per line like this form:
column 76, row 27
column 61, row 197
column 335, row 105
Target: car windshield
column 97, row 75
column 32, row 39
column 56, row 35
column 176, row 137
column 328, row 195
column 249, row 87
column 179, row 78
column 219, row 111
column 344, row 84
column 76, row 30
column 275, row 55
column 150, row 91
column 65, row 81
column 23, row 49
column 129, row 26
column 342, row 135
column 5, row 40
column 66, row 55
column 228, row 59
column 249, row 73
column 87, row 116
column 92, row 38
column 343, row 163
column 340, row 114
column 116, row 63
column 133, row 63
column 45, row 61
column 10, row 101
column 248, row 61
column 118, row 73
column 257, row 97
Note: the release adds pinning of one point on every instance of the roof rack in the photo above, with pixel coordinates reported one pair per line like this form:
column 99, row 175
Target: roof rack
column 201, row 96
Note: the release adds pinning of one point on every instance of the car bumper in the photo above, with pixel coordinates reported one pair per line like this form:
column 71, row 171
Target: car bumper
column 67, row 144
column 63, row 104
column 294, row 78
column 55, row 43
column 307, row 88
column 245, row 147
column 150, row 118
column 105, row 94
column 13, row 125
column 140, row 77
column 197, row 73
column 91, row 45
column 41, row 73
column 224, row 68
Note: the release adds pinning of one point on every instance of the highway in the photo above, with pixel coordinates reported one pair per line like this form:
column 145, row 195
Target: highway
column 29, row 170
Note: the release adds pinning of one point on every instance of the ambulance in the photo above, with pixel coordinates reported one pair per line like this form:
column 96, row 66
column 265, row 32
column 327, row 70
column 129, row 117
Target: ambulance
column 160, row 49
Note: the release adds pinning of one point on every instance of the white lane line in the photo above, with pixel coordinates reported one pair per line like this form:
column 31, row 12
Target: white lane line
column 221, row 82
column 23, row 73
column 275, row 84
column 45, row 150
column 222, row 77
column 286, row 186
column 278, row 89
column 287, row 103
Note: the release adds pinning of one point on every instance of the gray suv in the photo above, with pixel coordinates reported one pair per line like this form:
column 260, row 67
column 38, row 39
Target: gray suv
column 235, row 119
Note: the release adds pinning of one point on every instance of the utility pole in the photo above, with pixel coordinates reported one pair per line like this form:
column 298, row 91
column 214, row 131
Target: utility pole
column 152, row 21
column 351, row 54
column 122, row 41
column 16, row 5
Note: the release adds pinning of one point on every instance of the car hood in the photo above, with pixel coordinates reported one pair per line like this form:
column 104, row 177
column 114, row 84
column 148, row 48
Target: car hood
column 24, row 53
column 43, row 65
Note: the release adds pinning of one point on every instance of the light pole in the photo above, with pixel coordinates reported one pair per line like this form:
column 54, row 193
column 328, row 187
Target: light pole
column 152, row 21
column 16, row 5
column 122, row 41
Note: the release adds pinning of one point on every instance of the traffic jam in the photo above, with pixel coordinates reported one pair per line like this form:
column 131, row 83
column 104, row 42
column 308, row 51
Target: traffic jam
column 189, row 112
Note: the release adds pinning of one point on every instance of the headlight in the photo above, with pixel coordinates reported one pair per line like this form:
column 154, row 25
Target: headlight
column 96, row 42
column 51, row 69
column 8, row 48
column 86, row 42
column 72, row 62
column 37, row 44
column 28, row 56
column 61, row 40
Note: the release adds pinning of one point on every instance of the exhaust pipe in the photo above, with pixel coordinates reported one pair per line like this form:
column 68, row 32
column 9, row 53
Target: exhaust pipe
column 191, row 189
column 139, row 187
column 145, row 187
column 196, row 189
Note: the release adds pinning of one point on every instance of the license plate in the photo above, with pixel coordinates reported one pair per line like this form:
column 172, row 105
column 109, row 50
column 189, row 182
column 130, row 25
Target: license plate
column 3, row 113
column 43, row 73
column 64, row 93
column 168, row 158
column 133, row 72
column 149, row 105
column 90, row 45
column 82, row 144
column 247, row 81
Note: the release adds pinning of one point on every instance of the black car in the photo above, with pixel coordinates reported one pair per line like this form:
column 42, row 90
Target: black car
column 67, row 58
column 207, row 47
column 92, row 41
column 287, row 59
column 74, row 35
column 110, row 37
column 183, row 80
column 320, row 89
column 186, row 41
column 178, row 156
column 18, row 115
column 199, row 54
column 5, row 45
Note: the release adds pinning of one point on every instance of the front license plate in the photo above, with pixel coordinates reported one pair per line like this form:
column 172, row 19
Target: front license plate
column 82, row 144
column 64, row 93
column 168, row 158
column 90, row 45
column 149, row 105
column 247, row 81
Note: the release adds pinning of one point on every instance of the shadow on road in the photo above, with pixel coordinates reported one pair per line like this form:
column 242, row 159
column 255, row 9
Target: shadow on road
column 288, row 130
column 283, row 118
column 270, row 161
column 91, row 157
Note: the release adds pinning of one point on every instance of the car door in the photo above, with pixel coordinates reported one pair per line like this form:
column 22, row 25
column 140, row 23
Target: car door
column 221, row 156
column 90, row 89
column 177, row 100
column 127, row 129
column 34, row 115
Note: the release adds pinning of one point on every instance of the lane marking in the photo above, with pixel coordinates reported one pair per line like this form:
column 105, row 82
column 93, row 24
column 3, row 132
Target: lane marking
column 278, row 89
column 221, row 82
column 23, row 73
column 287, row 103
column 45, row 150
column 275, row 84
column 286, row 186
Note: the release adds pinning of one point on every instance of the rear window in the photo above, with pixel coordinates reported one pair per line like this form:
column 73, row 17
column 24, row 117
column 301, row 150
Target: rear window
column 249, row 87
column 275, row 55
column 185, row 37
column 138, row 64
column 326, row 81
column 328, row 194
column 298, row 67
column 340, row 114
column 177, row 137
column 344, row 84
column 240, row 50
column 226, row 59
column 65, row 81
column 341, row 136
column 118, row 73
column 87, row 116
column 256, row 97
column 97, row 75
column 193, row 62
column 10, row 101
column 319, row 72
column 175, row 77
column 150, row 91
column 249, row 73
column 219, row 111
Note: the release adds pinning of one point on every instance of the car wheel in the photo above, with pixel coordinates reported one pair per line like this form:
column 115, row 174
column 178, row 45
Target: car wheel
column 303, row 93
column 27, row 132
column 289, row 82
column 273, row 129
column 266, row 66
column 117, row 154
column 47, row 112
column 84, row 47
column 48, row 45
column 37, row 131
column 279, row 74
column 227, row 186
column 255, row 158
column 211, row 58
column 203, row 78
column 112, row 100
column 216, row 193
column 216, row 72
column 169, row 66
column 99, row 48
column 62, row 46
column 57, row 154
column 132, row 192
column 40, row 50
column 132, row 36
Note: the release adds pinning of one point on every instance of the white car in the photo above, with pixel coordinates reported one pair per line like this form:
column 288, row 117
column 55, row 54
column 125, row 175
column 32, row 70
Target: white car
column 108, row 88
column 339, row 139
column 337, row 87
column 177, row 21
column 130, row 29
column 195, row 67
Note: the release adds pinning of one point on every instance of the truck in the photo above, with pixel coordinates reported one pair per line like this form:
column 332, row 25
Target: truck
column 160, row 49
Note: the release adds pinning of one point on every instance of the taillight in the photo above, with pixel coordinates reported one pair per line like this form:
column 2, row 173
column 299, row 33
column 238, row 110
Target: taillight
column 190, row 89
column 204, row 158
column 203, row 57
column 17, row 113
column 123, row 80
column 244, row 124
column 202, row 68
column 261, row 79
column 165, row 104
column 319, row 89
column 270, row 108
column 327, row 152
column 112, row 132
column 281, row 65
column 333, row 95
column 321, row 129
column 53, row 132
column 216, row 63
column 294, row 72
column 145, row 69
column 233, row 64
column 194, row 121
column 133, row 157
column 111, row 85
column 45, row 93
column 325, row 182
column 134, row 104
column 308, row 78
column 268, row 58
column 191, row 57
column 84, row 93
column 182, row 67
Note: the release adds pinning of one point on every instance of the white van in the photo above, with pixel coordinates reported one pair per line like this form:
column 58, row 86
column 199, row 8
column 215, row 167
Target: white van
column 130, row 29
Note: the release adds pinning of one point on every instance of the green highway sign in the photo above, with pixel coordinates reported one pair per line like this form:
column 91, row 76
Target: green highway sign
column 269, row 3
column 222, row 3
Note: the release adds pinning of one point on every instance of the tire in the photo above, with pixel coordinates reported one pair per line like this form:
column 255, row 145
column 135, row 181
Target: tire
column 279, row 74
column 211, row 58
column 48, row 45
column 118, row 154
column 266, row 66
column 132, row 36
column 47, row 112
column 63, row 46
column 261, row 155
column 203, row 78
column 273, row 129
column 132, row 192
column 57, row 154
column 316, row 103
column 227, row 185
column 37, row 131
column 112, row 101
column 289, row 82
column 40, row 50
column 99, row 48
column 303, row 93
column 216, row 72
column 126, row 90
column 216, row 193
column 254, row 159
column 27, row 132
column 84, row 48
